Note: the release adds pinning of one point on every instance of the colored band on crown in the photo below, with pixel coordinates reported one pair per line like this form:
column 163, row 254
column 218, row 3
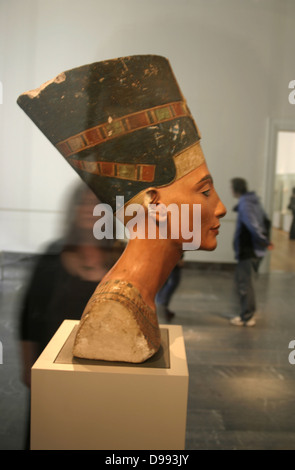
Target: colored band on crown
column 121, row 126
column 126, row 171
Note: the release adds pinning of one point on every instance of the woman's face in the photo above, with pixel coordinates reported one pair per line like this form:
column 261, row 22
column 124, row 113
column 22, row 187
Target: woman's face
column 196, row 188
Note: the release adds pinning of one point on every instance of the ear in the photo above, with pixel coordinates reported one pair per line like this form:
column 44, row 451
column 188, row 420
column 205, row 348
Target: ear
column 152, row 196
column 154, row 206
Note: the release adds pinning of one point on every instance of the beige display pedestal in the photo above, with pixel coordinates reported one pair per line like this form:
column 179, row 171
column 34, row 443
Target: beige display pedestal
column 91, row 405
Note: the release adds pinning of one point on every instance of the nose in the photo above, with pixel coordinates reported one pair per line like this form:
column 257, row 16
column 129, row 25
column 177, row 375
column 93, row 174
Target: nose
column 220, row 210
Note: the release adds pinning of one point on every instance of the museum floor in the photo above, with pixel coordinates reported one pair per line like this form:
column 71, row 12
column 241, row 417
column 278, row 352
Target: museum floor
column 241, row 389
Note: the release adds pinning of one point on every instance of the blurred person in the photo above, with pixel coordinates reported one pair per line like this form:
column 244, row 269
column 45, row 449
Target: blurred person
column 164, row 296
column 250, row 245
column 291, row 206
column 63, row 279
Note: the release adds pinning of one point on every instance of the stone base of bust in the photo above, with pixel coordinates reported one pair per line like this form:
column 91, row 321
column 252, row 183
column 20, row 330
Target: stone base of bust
column 117, row 326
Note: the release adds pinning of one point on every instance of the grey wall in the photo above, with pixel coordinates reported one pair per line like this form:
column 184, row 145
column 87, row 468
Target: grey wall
column 233, row 59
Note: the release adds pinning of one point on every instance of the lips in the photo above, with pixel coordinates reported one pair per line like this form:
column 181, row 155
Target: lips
column 215, row 229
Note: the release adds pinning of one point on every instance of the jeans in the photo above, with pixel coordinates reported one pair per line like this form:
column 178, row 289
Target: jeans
column 245, row 288
column 292, row 228
column 164, row 295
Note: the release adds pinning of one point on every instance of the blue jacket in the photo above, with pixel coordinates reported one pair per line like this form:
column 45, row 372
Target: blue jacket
column 250, row 239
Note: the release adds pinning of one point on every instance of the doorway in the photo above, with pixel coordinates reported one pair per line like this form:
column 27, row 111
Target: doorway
column 282, row 164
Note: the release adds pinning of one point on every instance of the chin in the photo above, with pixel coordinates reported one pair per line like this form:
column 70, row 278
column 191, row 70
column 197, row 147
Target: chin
column 209, row 246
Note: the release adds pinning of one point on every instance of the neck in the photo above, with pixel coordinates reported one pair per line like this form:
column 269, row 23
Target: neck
column 146, row 264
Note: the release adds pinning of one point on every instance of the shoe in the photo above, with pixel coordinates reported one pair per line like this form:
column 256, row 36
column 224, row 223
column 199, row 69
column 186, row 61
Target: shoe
column 169, row 315
column 163, row 311
column 237, row 321
column 250, row 322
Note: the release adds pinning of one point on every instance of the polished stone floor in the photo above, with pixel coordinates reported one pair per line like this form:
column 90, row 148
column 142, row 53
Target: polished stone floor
column 241, row 393
column 241, row 389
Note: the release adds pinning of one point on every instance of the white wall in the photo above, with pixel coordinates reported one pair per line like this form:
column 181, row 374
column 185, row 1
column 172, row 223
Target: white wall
column 233, row 60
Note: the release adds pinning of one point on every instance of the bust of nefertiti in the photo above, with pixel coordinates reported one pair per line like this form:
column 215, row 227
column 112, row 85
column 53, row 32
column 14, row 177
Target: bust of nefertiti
column 125, row 128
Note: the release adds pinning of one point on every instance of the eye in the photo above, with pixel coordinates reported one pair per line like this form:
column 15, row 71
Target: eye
column 206, row 193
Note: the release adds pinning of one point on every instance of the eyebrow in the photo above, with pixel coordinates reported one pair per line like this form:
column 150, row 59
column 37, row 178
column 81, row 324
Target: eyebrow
column 207, row 177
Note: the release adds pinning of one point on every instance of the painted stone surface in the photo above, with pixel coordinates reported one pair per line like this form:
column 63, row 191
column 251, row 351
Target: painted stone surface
column 125, row 128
